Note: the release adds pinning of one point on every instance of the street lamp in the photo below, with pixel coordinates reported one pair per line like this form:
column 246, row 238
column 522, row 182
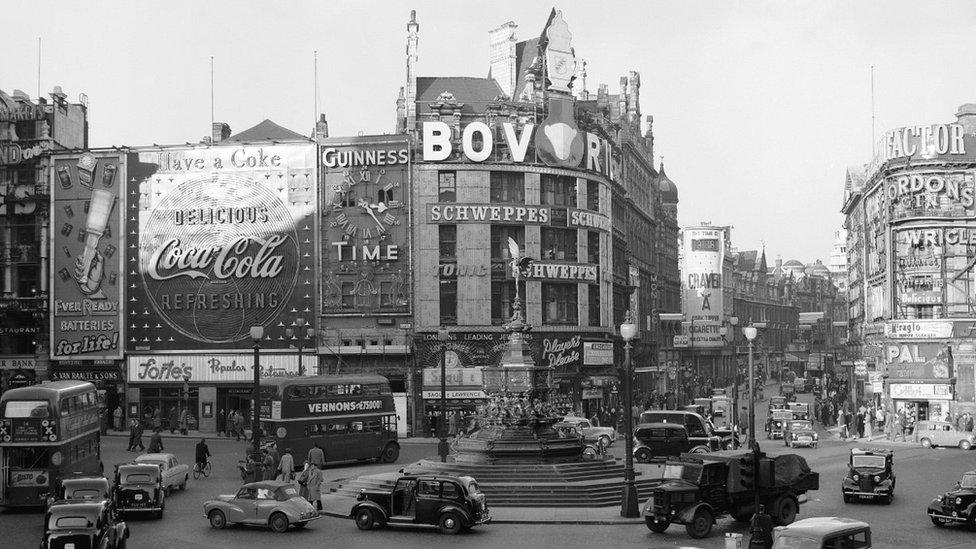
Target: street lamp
column 186, row 394
column 257, row 332
column 750, row 333
column 301, row 336
column 443, row 335
column 628, row 505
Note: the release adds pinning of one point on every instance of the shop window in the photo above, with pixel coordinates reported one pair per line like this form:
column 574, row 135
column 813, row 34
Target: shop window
column 446, row 187
column 559, row 304
column 348, row 295
column 559, row 244
column 502, row 297
column 593, row 300
column 447, row 235
column 508, row 187
column 593, row 247
column 558, row 190
column 593, row 196
column 448, row 302
column 499, row 240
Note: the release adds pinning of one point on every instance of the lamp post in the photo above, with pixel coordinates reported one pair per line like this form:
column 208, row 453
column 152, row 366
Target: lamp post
column 628, row 505
column 257, row 332
column 442, row 447
column 750, row 333
column 301, row 335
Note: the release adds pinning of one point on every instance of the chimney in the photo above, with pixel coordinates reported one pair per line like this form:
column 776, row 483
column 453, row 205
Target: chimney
column 579, row 85
column 220, row 131
column 633, row 97
column 501, row 56
column 321, row 128
column 649, row 136
column 622, row 99
column 779, row 261
column 413, row 29
column 602, row 97
column 966, row 116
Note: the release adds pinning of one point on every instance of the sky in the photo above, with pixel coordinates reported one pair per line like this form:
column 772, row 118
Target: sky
column 759, row 107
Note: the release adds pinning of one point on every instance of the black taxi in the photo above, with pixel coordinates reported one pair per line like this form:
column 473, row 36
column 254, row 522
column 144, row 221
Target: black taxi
column 77, row 525
column 453, row 504
column 870, row 475
column 957, row 506
column 139, row 488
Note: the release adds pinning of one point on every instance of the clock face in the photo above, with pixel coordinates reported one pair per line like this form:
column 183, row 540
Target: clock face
column 367, row 203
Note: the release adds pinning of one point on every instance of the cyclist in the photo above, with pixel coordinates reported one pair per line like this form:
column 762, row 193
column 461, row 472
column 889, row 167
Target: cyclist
column 203, row 454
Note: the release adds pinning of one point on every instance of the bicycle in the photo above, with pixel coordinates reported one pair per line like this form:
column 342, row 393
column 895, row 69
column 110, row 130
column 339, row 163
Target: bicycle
column 197, row 470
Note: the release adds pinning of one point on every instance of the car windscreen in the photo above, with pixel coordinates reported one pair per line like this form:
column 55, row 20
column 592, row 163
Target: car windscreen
column 968, row 481
column 26, row 409
column 801, row 426
column 877, row 462
column 139, row 478
column 82, row 493
column 285, row 493
column 787, row 541
column 157, row 462
column 70, row 522
column 684, row 472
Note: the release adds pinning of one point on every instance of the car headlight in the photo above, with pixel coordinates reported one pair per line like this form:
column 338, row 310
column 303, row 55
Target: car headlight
column 877, row 478
column 958, row 501
column 794, row 436
column 815, row 436
column 856, row 478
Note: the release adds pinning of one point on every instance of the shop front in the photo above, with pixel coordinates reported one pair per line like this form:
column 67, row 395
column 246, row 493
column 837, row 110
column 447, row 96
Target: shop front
column 920, row 378
column 209, row 387
column 106, row 375
column 17, row 371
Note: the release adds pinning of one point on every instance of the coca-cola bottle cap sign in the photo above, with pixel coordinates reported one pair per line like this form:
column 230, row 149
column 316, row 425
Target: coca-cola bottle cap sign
column 218, row 255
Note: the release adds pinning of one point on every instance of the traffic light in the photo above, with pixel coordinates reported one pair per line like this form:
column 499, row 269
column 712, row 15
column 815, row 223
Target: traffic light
column 747, row 473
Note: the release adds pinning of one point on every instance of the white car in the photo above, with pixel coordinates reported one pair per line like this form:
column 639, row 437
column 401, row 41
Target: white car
column 591, row 433
column 175, row 474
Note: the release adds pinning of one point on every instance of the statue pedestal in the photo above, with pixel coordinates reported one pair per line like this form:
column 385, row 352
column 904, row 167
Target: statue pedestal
column 527, row 441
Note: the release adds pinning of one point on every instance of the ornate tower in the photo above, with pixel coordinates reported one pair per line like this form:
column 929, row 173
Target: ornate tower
column 413, row 29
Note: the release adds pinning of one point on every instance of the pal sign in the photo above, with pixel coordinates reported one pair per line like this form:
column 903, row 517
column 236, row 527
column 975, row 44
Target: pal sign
column 478, row 142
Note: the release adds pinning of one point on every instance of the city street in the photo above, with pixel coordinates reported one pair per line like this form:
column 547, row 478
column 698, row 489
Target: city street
column 921, row 475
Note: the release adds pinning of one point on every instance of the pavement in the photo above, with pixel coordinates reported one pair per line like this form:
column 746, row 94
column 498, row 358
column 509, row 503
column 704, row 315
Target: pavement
column 192, row 434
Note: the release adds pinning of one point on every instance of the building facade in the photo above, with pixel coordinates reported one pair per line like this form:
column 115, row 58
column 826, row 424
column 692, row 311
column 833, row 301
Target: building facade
column 910, row 220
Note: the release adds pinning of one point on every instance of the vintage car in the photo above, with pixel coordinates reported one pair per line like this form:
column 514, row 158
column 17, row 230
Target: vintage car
column 175, row 474
column 800, row 433
column 270, row 503
column 699, row 429
column 453, row 504
column 869, row 475
column 139, row 489
column 800, row 384
column 932, row 433
column 81, row 487
column 591, row 433
column 823, row 533
column 77, row 525
column 787, row 391
column 706, row 405
column 957, row 506
column 777, row 402
column 776, row 424
column 801, row 410
column 721, row 406
column 661, row 440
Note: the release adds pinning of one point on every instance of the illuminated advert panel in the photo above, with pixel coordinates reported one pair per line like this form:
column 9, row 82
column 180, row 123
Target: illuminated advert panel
column 220, row 239
column 87, row 262
column 702, row 284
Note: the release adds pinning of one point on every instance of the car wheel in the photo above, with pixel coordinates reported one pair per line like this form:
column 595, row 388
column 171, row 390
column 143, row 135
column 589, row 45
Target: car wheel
column 390, row 453
column 887, row 499
column 300, row 525
column 926, row 443
column 965, row 445
column 786, row 508
column 278, row 522
column 656, row 527
column 183, row 486
column 217, row 519
column 449, row 523
column 643, row 455
column 937, row 521
column 605, row 441
column 699, row 450
column 365, row 519
column 847, row 498
column 701, row 524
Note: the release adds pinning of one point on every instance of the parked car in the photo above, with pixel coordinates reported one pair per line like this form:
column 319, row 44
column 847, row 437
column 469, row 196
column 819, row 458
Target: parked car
column 700, row 432
column 75, row 525
column 139, row 488
column 80, row 487
column 721, row 406
column 454, row 504
column 175, row 474
column 957, row 506
column 776, row 424
column 270, row 503
column 930, row 433
column 800, row 433
column 823, row 533
column 662, row 440
column 870, row 475
column 591, row 433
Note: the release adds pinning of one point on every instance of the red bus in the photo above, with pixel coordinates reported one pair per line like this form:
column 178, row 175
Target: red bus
column 46, row 431
column 352, row 417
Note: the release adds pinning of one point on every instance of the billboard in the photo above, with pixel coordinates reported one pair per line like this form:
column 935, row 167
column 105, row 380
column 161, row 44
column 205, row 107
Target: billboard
column 221, row 238
column 87, row 262
column 701, row 272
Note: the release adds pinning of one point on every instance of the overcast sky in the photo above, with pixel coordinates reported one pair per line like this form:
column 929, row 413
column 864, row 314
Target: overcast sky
column 758, row 106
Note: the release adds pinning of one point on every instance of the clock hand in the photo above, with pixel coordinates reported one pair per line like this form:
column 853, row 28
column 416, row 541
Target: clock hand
column 369, row 210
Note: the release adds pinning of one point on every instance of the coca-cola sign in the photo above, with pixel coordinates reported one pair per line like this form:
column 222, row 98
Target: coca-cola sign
column 221, row 245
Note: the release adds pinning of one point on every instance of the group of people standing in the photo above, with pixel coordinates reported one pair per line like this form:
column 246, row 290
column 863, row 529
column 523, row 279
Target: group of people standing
column 309, row 477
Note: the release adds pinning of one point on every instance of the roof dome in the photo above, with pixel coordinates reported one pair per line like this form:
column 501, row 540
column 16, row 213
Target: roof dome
column 669, row 191
column 793, row 264
column 818, row 269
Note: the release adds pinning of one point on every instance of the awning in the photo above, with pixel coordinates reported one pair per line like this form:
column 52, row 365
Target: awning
column 796, row 357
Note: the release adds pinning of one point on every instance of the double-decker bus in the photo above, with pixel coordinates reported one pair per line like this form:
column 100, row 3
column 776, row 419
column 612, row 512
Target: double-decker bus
column 46, row 430
column 351, row 417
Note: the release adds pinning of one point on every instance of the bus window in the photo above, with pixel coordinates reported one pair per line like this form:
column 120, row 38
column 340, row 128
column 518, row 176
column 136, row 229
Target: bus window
column 356, row 426
column 338, row 428
column 26, row 409
column 26, row 457
column 374, row 426
column 389, row 423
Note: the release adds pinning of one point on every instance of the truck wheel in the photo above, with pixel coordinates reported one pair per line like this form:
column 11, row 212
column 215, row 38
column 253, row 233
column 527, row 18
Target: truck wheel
column 701, row 524
column 390, row 453
column 656, row 527
column 785, row 509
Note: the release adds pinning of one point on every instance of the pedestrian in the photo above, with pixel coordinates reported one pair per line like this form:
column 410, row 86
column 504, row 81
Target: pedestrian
column 286, row 467
column 859, row 422
column 303, row 481
column 316, row 456
column 202, row 454
column 268, row 465
column 452, row 425
column 135, row 436
column 184, row 421
column 969, row 421
column 238, row 425
column 880, row 418
column 903, row 427
column 761, row 530
column 868, row 428
column 156, row 442
column 117, row 416
column 157, row 418
column 174, row 420
column 314, row 482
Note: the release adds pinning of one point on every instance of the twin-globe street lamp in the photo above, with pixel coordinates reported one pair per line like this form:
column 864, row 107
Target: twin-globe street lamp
column 442, row 447
column 257, row 333
column 301, row 336
column 750, row 333
column 628, row 504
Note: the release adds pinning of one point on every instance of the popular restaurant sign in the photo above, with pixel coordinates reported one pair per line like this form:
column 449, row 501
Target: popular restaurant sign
column 87, row 266
column 209, row 368
column 221, row 238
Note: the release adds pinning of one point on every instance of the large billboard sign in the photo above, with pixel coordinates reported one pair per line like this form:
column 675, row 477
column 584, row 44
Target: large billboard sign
column 87, row 264
column 704, row 248
column 221, row 238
